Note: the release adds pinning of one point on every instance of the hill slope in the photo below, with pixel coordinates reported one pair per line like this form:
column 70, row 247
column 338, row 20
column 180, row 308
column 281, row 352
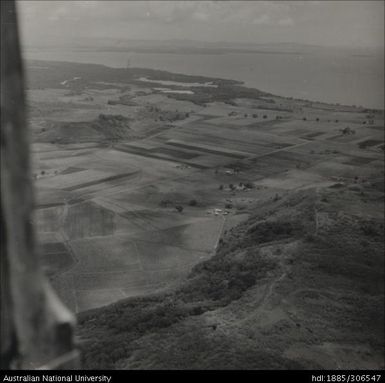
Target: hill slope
column 298, row 285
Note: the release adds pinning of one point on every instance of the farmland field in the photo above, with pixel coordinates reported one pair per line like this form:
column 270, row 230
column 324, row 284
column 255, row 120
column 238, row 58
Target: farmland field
column 135, row 186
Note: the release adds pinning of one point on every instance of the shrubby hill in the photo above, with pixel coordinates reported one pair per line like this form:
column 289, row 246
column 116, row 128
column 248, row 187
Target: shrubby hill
column 298, row 285
column 106, row 128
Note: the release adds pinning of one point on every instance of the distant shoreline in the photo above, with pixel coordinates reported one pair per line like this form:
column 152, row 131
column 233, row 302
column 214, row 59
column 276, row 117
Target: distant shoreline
column 168, row 75
column 187, row 51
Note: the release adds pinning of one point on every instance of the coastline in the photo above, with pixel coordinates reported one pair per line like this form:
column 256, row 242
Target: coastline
column 156, row 74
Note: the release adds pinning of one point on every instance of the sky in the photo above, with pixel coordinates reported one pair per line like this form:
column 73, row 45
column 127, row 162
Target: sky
column 326, row 23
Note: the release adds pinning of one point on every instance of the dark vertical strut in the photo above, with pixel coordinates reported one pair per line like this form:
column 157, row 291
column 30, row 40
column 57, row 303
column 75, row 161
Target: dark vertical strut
column 33, row 320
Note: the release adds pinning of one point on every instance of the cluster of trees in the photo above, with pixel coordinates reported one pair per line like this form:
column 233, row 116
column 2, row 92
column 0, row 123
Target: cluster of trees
column 347, row 131
column 114, row 119
column 224, row 93
column 178, row 207
column 222, row 280
column 165, row 203
column 246, row 185
column 371, row 229
column 317, row 119
column 254, row 115
column 170, row 116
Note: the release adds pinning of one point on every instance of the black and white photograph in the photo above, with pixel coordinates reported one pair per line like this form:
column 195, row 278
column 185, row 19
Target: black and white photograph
column 192, row 186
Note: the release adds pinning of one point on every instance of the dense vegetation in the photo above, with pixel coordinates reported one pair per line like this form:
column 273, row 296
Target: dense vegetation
column 105, row 128
column 225, row 93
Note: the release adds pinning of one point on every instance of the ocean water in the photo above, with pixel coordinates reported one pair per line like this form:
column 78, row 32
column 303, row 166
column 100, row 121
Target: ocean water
column 334, row 77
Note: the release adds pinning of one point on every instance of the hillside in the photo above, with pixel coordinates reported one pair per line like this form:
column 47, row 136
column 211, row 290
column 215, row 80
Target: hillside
column 298, row 285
